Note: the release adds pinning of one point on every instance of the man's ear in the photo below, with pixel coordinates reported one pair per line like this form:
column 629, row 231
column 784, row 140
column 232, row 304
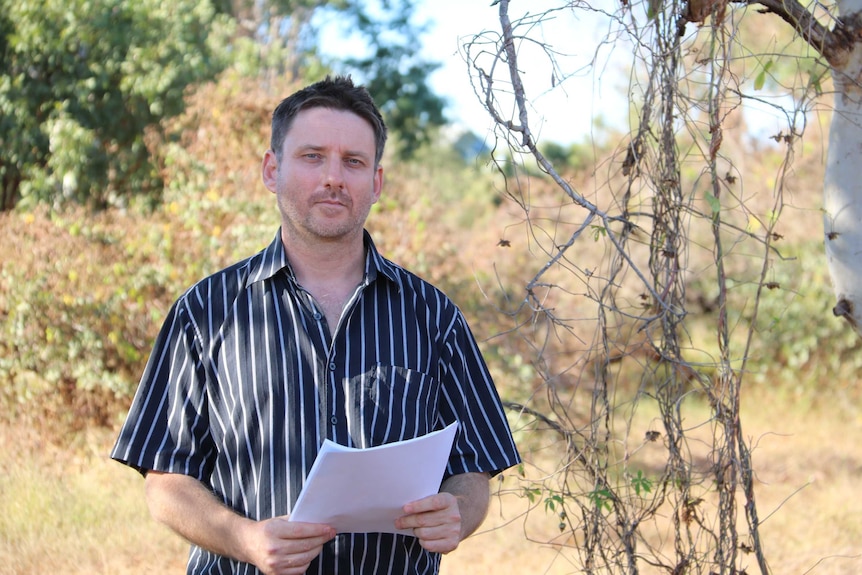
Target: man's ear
column 269, row 171
column 378, row 182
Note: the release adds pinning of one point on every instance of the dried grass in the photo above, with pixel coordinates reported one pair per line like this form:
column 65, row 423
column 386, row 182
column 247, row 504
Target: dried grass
column 68, row 509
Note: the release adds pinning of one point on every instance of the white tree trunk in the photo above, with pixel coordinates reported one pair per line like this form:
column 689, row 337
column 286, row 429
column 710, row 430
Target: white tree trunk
column 842, row 194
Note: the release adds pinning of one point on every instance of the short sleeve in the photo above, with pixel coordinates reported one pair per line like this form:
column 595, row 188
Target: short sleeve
column 484, row 442
column 167, row 428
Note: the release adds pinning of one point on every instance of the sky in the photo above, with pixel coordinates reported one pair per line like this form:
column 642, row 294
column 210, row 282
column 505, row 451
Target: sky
column 563, row 109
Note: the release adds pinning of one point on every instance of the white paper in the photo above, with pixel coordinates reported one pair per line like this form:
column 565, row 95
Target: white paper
column 364, row 490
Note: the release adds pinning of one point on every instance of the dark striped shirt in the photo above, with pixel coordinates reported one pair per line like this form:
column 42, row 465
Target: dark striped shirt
column 246, row 380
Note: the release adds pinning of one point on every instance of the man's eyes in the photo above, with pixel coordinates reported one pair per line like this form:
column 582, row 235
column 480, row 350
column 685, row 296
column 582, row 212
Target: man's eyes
column 349, row 161
column 318, row 156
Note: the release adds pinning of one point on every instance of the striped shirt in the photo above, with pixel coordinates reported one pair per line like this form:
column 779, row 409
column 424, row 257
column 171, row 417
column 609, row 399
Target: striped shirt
column 246, row 380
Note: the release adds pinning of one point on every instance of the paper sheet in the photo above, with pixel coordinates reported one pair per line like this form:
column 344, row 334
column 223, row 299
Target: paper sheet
column 363, row 490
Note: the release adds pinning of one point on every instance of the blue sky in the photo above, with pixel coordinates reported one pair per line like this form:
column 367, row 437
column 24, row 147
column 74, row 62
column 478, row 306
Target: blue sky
column 564, row 113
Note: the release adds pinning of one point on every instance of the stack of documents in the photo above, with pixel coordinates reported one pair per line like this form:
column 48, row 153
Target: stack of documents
column 364, row 490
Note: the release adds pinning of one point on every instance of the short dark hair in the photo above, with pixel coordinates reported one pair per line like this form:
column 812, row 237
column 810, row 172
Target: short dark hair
column 338, row 93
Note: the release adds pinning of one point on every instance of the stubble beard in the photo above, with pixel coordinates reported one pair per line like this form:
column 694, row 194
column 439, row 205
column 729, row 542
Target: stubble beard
column 312, row 225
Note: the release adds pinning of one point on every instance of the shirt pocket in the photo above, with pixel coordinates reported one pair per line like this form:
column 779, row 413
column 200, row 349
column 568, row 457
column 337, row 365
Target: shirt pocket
column 390, row 403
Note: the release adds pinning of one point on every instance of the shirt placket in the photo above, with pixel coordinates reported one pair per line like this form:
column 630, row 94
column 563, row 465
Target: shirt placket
column 331, row 368
column 337, row 371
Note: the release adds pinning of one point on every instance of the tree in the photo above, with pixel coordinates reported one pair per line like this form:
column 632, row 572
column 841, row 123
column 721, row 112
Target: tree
column 396, row 74
column 840, row 45
column 280, row 33
column 609, row 313
column 82, row 83
column 286, row 36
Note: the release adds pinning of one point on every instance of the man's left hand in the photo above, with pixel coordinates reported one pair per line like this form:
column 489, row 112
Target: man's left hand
column 435, row 520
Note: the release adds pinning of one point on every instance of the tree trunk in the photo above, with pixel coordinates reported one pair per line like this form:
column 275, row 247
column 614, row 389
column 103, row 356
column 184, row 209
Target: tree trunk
column 842, row 191
column 841, row 45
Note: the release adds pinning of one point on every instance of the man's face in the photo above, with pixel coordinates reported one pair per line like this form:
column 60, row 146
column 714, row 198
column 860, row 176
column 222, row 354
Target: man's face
column 326, row 181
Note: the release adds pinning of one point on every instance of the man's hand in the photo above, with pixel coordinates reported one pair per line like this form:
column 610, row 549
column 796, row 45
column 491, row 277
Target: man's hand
column 279, row 547
column 443, row 520
column 435, row 520
column 276, row 546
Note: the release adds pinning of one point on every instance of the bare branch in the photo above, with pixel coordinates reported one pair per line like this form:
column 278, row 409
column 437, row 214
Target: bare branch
column 834, row 45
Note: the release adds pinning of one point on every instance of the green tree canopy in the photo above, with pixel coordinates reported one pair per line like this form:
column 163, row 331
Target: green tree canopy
column 82, row 82
column 85, row 83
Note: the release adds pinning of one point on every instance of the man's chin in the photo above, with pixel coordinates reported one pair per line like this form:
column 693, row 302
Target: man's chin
column 336, row 234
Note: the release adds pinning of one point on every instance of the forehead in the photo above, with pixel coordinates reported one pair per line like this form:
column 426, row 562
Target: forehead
column 329, row 127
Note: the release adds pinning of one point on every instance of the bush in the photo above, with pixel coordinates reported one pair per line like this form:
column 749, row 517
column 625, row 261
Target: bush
column 75, row 313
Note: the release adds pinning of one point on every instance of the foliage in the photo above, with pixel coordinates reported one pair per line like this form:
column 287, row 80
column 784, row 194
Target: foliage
column 87, row 85
column 794, row 325
column 82, row 83
column 78, row 317
column 77, row 322
column 82, row 295
column 276, row 38
column 73, row 329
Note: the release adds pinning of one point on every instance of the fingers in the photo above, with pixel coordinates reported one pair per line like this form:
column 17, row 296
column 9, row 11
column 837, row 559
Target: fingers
column 292, row 564
column 435, row 520
column 281, row 528
column 439, row 538
column 437, row 502
column 287, row 548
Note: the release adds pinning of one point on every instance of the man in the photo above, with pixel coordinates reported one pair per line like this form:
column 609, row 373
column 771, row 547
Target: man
column 317, row 336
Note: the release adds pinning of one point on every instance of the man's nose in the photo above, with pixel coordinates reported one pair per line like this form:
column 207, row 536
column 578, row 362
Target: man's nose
column 334, row 174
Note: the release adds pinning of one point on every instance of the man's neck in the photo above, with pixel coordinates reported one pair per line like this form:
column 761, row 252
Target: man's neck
column 329, row 271
column 336, row 262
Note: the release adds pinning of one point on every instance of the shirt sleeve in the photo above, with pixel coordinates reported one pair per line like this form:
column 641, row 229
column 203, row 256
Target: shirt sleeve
column 484, row 440
column 167, row 427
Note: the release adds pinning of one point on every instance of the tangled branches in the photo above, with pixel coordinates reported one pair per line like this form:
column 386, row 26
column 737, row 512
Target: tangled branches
column 652, row 471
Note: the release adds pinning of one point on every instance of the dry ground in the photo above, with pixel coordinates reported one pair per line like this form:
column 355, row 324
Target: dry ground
column 73, row 511
column 809, row 468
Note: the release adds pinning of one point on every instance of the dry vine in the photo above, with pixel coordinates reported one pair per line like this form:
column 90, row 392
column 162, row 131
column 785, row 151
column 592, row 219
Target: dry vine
column 679, row 510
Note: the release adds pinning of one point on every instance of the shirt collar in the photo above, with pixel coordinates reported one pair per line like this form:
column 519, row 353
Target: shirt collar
column 273, row 259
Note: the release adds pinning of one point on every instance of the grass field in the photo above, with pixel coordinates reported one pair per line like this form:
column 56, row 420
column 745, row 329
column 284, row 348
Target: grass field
column 71, row 510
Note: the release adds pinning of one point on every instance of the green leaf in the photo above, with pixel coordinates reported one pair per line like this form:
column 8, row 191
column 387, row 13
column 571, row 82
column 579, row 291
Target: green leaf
column 601, row 498
column 641, row 483
column 714, row 203
column 552, row 502
column 82, row 82
column 598, row 232
column 760, row 80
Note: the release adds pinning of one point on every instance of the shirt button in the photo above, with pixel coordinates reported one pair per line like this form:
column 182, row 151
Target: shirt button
column 333, row 420
column 332, row 366
column 317, row 316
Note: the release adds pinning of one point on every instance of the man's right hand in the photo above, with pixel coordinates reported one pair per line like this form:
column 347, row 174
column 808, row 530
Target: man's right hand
column 275, row 546
column 278, row 547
